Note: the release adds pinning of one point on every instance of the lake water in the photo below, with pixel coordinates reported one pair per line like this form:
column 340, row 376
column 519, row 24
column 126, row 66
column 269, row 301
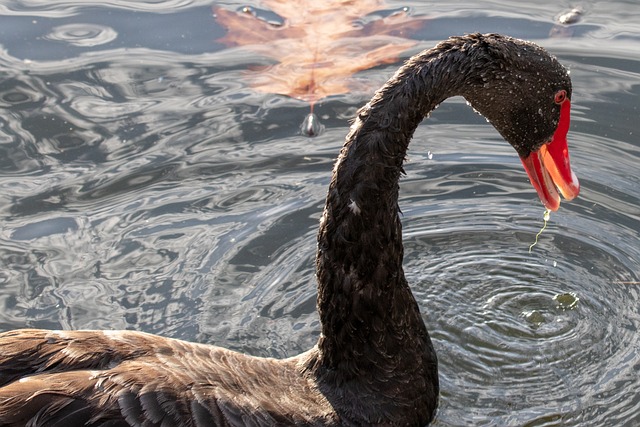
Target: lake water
column 145, row 185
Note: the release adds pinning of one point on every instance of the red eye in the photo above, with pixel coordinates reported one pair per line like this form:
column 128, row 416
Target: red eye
column 560, row 97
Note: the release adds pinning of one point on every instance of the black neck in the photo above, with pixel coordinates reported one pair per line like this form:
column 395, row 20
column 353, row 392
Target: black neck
column 373, row 337
column 363, row 295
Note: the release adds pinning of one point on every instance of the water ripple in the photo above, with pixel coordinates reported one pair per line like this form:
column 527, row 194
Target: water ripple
column 83, row 35
column 62, row 9
column 496, row 311
column 145, row 186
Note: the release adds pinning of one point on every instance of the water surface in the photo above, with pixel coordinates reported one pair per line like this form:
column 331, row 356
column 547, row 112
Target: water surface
column 145, row 185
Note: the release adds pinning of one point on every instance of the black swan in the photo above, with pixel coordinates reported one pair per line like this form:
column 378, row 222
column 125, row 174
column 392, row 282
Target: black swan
column 374, row 364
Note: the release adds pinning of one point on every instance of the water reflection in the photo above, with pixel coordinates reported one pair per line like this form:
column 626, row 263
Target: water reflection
column 143, row 185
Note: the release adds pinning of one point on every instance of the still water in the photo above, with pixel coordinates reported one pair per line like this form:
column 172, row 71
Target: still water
column 145, row 185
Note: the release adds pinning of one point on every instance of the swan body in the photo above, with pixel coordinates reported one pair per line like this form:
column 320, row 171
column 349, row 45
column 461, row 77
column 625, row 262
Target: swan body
column 374, row 363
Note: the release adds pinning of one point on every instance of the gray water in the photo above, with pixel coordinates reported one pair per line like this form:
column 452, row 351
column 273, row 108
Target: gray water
column 145, row 185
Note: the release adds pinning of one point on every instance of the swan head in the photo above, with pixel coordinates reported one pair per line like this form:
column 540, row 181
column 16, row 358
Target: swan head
column 526, row 94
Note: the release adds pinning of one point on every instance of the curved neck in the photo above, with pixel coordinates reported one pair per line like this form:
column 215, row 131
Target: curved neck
column 362, row 292
column 373, row 336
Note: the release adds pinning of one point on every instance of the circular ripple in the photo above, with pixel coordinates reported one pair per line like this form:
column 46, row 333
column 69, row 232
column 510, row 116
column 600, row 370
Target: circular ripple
column 524, row 338
column 83, row 35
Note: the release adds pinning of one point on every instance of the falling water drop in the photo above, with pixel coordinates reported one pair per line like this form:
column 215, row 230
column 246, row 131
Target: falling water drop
column 249, row 11
column 311, row 125
column 545, row 217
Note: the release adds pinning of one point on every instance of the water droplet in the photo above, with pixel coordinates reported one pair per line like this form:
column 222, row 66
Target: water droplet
column 311, row 125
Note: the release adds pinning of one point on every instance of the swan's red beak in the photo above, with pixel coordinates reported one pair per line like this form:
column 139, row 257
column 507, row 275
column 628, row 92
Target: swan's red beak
column 549, row 169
